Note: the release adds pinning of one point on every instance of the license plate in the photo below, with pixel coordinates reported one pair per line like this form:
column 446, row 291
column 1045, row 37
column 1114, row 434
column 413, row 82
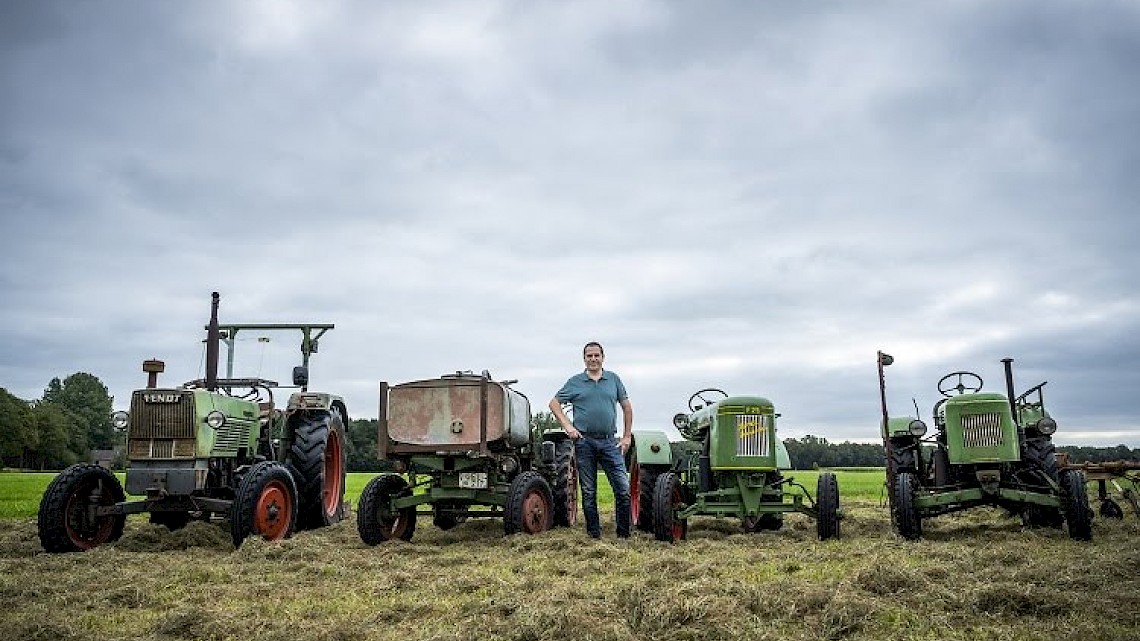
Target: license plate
column 473, row 480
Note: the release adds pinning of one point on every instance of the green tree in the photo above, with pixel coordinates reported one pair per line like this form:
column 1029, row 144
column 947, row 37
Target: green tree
column 16, row 430
column 86, row 399
column 545, row 421
column 361, row 453
column 56, row 430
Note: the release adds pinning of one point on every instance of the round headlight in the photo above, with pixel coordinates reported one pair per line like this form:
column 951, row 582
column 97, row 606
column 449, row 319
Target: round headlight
column 917, row 428
column 215, row 419
column 1046, row 426
column 120, row 419
column 680, row 421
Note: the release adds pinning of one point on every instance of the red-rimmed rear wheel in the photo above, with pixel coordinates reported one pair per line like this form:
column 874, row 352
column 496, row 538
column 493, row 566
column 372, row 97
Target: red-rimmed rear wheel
column 316, row 458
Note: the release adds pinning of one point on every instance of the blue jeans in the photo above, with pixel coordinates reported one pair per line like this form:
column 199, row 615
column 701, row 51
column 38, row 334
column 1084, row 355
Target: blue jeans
column 605, row 451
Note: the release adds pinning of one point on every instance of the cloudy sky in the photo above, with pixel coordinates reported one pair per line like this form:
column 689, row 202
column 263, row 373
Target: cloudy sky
column 750, row 196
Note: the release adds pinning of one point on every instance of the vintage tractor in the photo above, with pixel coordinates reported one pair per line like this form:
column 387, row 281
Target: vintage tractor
column 988, row 449
column 728, row 465
column 463, row 447
column 214, row 447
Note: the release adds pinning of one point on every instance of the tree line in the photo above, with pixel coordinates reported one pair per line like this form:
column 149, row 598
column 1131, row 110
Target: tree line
column 74, row 417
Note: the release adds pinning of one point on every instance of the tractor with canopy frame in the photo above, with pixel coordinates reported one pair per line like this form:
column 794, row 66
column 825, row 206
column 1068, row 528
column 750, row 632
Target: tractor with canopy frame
column 212, row 447
column 988, row 449
column 729, row 465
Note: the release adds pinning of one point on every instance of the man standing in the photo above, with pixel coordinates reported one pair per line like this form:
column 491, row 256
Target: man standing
column 594, row 394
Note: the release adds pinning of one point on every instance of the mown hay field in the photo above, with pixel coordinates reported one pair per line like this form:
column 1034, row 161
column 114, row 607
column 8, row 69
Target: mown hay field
column 976, row 575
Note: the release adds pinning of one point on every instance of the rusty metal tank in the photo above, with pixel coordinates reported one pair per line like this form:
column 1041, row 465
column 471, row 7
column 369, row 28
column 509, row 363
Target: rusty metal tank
column 449, row 411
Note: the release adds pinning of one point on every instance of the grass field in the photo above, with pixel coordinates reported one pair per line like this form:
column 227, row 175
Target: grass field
column 976, row 575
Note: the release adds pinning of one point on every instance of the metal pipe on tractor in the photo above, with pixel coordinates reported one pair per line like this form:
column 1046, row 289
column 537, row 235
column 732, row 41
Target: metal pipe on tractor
column 203, row 451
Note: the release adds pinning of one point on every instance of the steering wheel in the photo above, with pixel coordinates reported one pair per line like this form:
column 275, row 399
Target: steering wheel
column 697, row 394
column 961, row 387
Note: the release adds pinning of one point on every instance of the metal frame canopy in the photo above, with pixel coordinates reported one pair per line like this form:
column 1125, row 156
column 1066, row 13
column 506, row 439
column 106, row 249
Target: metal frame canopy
column 308, row 340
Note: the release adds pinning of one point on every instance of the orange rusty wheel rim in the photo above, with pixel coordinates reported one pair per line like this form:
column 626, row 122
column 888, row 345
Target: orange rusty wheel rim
column 534, row 511
column 273, row 512
column 334, row 475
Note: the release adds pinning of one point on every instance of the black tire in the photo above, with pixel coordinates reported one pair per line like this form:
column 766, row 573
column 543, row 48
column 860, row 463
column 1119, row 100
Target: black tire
column 64, row 525
column 172, row 521
column 1041, row 454
column 564, row 484
column 316, row 458
column 530, row 506
column 827, row 506
column 265, row 504
column 376, row 522
column 1110, row 509
column 646, row 482
column 667, row 496
column 908, row 520
column 1075, row 503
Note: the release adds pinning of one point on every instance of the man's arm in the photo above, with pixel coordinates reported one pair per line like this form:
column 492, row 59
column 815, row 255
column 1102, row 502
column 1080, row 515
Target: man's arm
column 627, row 424
column 567, row 426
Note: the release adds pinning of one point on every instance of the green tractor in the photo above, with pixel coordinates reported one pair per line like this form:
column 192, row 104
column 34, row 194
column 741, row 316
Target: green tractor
column 214, row 447
column 988, row 449
column 463, row 446
column 729, row 465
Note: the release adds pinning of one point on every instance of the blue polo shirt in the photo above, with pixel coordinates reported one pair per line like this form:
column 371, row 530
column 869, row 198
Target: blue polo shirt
column 594, row 402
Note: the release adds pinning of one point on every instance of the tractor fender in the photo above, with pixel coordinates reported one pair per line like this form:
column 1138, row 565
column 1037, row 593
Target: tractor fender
column 313, row 401
column 651, row 448
column 783, row 461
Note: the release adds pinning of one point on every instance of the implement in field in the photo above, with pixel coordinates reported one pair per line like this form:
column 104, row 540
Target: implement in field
column 1105, row 473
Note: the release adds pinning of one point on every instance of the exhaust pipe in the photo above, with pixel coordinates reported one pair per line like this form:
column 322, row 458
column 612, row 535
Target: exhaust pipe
column 1008, row 362
column 213, row 341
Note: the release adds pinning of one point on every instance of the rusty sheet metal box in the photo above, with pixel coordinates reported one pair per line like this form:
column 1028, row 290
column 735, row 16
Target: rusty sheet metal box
column 447, row 411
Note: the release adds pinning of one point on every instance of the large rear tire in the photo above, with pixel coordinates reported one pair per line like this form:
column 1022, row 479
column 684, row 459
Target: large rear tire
column 65, row 524
column 1075, row 503
column 376, row 521
column 667, row 497
column 316, row 458
column 529, row 506
column 265, row 504
column 908, row 520
column 827, row 505
column 642, row 493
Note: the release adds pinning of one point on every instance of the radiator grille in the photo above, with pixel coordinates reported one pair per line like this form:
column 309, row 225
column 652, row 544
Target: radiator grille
column 165, row 448
column 162, row 414
column 752, row 434
column 982, row 430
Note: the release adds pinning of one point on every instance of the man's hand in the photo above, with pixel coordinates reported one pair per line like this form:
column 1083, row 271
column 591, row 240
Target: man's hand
column 624, row 444
column 573, row 433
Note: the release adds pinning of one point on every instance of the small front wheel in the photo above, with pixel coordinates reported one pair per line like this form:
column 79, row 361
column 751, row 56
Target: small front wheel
column 66, row 518
column 265, row 505
column 908, row 520
column 529, row 505
column 827, row 505
column 667, row 498
column 1075, row 504
column 376, row 521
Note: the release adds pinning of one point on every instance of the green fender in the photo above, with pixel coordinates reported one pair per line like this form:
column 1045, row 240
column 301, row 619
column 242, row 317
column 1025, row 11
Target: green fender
column 652, row 448
column 783, row 461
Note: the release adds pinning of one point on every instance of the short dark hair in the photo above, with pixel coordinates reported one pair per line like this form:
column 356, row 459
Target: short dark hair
column 593, row 344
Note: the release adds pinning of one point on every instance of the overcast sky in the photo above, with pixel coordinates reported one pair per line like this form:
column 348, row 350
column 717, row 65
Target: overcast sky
column 744, row 195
